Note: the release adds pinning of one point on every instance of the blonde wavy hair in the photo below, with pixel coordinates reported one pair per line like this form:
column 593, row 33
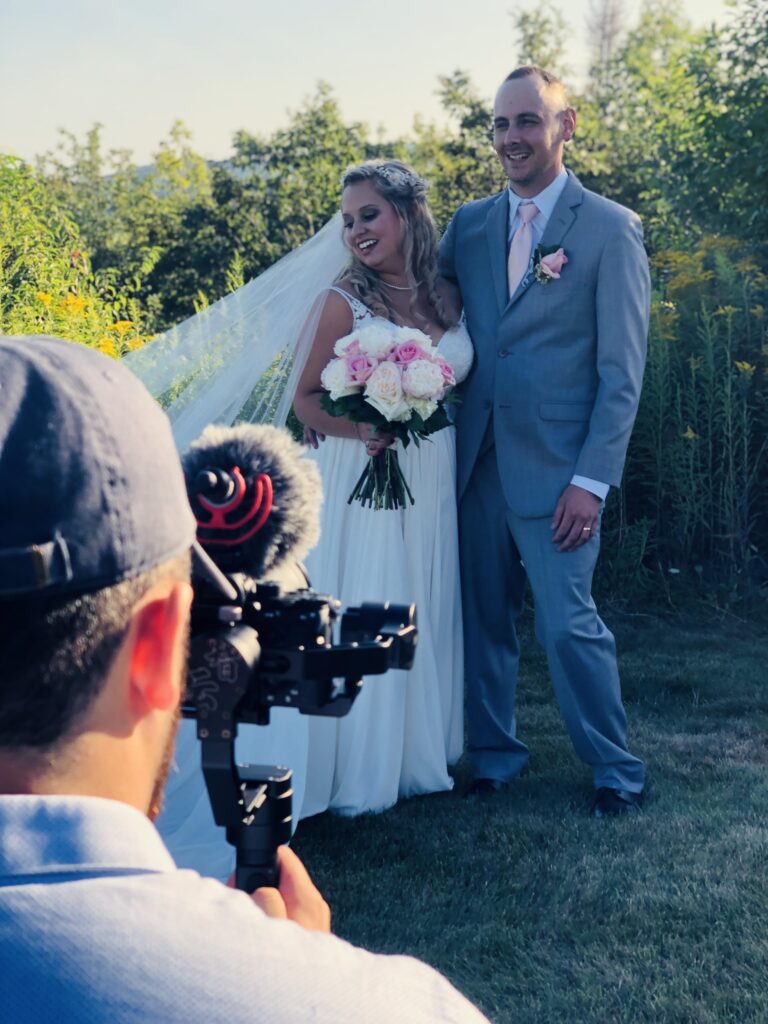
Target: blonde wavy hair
column 407, row 194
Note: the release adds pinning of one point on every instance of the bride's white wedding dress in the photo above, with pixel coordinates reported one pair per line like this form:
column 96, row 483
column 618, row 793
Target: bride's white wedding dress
column 410, row 724
column 405, row 727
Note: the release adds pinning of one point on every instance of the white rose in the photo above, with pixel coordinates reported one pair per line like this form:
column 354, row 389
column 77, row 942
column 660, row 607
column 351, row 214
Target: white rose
column 341, row 346
column 384, row 392
column 376, row 341
column 422, row 379
column 423, row 406
column 334, row 379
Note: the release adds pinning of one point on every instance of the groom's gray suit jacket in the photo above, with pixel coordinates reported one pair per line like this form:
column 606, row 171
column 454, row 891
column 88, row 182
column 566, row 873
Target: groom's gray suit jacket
column 559, row 365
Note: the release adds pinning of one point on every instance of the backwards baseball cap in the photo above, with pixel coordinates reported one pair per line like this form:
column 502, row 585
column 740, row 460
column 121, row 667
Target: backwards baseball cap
column 91, row 487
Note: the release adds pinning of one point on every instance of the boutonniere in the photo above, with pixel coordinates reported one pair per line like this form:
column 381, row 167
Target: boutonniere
column 548, row 262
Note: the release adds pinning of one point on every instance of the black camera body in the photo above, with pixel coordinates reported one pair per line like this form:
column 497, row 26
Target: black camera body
column 272, row 648
column 257, row 645
column 268, row 648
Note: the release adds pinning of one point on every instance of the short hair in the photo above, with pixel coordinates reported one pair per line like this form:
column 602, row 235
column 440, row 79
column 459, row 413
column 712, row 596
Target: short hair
column 56, row 652
column 534, row 71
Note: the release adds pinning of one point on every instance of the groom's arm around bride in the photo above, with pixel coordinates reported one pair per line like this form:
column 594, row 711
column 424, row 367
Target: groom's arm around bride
column 555, row 285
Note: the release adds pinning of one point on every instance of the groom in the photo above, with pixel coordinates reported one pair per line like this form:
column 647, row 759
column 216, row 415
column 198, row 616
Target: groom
column 556, row 292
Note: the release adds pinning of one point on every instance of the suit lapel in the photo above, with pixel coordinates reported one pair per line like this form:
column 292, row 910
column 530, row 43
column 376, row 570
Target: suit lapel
column 558, row 226
column 564, row 213
column 496, row 235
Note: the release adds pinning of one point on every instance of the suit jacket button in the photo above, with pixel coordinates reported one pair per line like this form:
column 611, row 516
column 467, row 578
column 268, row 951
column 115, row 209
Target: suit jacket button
column 503, row 353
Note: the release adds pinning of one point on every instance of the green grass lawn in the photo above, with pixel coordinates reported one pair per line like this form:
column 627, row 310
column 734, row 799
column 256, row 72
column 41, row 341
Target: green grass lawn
column 541, row 914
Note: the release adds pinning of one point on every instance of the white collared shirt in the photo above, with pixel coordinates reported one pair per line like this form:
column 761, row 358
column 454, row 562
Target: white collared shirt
column 545, row 201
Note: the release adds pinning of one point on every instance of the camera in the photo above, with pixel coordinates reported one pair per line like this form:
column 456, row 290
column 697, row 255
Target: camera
column 268, row 648
column 254, row 647
column 260, row 637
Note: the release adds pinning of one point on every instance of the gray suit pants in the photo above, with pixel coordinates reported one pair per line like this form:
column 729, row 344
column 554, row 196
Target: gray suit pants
column 499, row 550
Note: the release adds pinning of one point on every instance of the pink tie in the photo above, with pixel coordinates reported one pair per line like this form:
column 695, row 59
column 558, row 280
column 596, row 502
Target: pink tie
column 520, row 249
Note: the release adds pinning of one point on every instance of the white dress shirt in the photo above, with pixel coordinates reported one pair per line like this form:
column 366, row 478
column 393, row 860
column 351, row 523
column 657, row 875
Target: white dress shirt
column 545, row 201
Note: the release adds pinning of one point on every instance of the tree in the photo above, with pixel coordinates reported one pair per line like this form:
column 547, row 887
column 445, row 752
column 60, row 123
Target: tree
column 46, row 284
column 734, row 119
column 462, row 165
column 543, row 36
column 128, row 216
column 605, row 24
column 299, row 170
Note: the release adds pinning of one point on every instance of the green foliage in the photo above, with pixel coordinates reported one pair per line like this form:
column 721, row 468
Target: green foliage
column 543, row 38
column 130, row 217
column 299, row 169
column 673, row 123
column 695, row 478
column 734, row 108
column 460, row 166
column 640, row 130
column 46, row 284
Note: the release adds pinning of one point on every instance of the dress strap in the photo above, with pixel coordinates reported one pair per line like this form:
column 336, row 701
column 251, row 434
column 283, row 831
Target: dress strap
column 359, row 309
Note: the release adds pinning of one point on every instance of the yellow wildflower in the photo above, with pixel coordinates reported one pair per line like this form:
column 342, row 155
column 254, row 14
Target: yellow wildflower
column 72, row 303
column 121, row 326
column 758, row 311
column 744, row 367
column 746, row 265
column 726, row 311
column 135, row 343
column 690, row 434
column 107, row 346
column 45, row 298
column 695, row 363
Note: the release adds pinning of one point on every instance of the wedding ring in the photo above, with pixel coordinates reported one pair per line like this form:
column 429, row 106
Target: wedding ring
column 586, row 529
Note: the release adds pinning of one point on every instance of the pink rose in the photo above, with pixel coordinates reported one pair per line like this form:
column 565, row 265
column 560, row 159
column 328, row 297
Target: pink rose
column 359, row 367
column 552, row 265
column 406, row 352
column 447, row 372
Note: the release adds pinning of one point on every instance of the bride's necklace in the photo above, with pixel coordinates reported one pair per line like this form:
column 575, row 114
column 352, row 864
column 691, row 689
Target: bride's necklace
column 401, row 287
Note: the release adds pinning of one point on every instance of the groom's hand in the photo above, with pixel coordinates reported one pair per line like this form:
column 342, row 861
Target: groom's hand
column 575, row 519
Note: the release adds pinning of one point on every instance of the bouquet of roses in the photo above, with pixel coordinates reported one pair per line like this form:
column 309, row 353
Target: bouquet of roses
column 395, row 380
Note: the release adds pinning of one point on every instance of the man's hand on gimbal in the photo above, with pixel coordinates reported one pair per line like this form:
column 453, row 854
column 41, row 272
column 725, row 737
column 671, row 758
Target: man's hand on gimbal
column 297, row 899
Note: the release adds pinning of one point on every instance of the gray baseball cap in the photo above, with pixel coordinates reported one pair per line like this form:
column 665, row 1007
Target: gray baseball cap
column 91, row 487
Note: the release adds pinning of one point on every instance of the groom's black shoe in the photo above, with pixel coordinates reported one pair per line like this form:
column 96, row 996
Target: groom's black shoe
column 484, row 788
column 610, row 803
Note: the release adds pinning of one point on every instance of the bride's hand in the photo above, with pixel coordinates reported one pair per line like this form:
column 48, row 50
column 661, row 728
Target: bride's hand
column 375, row 443
column 312, row 438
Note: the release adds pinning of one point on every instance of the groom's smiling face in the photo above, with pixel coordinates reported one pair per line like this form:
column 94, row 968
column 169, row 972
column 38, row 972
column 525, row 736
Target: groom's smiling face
column 531, row 123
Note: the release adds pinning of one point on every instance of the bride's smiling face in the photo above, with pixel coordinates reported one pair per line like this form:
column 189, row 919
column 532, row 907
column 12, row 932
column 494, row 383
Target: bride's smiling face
column 372, row 229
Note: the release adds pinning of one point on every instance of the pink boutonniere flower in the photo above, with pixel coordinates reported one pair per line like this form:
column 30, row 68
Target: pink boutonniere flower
column 548, row 266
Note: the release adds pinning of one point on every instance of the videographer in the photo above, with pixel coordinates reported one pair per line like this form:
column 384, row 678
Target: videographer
column 96, row 922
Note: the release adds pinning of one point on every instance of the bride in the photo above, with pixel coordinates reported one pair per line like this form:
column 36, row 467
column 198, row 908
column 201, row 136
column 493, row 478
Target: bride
column 244, row 359
column 405, row 727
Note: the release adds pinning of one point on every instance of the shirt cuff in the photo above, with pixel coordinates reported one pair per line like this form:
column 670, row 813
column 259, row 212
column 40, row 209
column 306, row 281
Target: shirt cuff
column 600, row 490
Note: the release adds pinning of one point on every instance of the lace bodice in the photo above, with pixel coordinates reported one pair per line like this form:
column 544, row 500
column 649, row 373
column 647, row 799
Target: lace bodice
column 455, row 346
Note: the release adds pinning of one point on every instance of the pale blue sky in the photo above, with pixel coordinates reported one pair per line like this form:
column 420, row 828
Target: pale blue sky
column 221, row 65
